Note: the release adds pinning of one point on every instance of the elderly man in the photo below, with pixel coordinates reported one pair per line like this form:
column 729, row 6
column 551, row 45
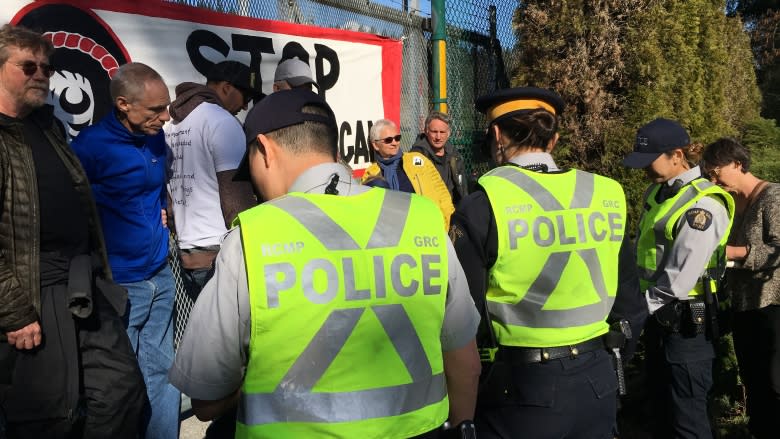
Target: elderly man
column 205, row 145
column 307, row 325
column 435, row 144
column 71, row 368
column 124, row 157
column 405, row 172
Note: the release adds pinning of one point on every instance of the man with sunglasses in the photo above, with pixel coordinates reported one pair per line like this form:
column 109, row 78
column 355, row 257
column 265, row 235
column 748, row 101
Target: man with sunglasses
column 205, row 145
column 405, row 172
column 67, row 364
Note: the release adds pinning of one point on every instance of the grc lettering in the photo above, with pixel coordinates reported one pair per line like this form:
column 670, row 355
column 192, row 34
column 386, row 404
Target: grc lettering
column 547, row 231
column 320, row 282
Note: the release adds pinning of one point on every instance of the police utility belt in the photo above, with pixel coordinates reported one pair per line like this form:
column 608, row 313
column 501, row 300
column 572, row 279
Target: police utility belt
column 523, row 355
column 687, row 317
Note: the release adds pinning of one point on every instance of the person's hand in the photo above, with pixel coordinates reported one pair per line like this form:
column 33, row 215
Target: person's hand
column 736, row 253
column 164, row 214
column 25, row 338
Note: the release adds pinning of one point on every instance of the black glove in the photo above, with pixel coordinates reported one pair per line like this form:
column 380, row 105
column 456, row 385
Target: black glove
column 464, row 430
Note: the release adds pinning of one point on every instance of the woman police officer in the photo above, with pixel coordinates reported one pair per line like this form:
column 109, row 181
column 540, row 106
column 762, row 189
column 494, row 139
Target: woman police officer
column 680, row 255
column 540, row 247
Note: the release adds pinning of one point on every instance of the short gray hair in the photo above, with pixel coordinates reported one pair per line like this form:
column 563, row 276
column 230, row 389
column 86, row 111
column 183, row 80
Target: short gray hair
column 437, row 115
column 130, row 81
column 378, row 126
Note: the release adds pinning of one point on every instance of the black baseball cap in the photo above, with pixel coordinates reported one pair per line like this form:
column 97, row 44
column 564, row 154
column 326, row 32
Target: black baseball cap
column 279, row 110
column 516, row 100
column 654, row 139
column 235, row 73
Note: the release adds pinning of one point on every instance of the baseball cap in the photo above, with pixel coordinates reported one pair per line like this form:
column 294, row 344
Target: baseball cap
column 295, row 72
column 279, row 110
column 511, row 101
column 235, row 73
column 654, row 139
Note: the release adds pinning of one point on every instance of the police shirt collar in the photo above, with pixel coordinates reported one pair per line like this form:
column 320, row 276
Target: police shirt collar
column 535, row 158
column 315, row 179
column 686, row 177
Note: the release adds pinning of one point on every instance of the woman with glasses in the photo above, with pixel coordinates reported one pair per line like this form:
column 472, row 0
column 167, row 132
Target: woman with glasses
column 680, row 255
column 754, row 281
column 406, row 172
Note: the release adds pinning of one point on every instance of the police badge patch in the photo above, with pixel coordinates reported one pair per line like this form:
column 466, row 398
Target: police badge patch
column 699, row 219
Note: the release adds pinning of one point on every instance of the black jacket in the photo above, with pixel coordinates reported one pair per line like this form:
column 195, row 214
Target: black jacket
column 19, row 222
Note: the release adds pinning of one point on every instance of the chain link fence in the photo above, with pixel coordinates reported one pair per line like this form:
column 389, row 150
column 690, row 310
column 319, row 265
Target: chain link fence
column 480, row 39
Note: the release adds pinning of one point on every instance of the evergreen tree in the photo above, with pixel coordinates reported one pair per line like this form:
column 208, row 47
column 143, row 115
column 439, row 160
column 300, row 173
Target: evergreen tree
column 620, row 63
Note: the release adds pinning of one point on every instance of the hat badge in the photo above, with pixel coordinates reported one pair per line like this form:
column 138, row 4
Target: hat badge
column 642, row 141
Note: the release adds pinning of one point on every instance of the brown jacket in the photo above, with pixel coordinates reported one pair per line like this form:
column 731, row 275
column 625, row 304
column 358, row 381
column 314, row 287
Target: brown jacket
column 19, row 222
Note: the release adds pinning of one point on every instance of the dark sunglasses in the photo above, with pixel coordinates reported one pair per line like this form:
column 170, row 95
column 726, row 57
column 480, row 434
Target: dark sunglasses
column 389, row 140
column 30, row 67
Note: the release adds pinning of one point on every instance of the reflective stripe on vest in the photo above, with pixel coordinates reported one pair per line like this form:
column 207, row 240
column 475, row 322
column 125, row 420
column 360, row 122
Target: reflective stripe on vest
column 405, row 295
column 662, row 219
column 426, row 388
column 532, row 310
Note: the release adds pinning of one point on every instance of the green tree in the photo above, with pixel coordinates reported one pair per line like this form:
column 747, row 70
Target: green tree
column 763, row 23
column 621, row 63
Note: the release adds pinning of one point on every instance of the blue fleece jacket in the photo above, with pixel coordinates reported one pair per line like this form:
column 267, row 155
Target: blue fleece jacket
column 127, row 175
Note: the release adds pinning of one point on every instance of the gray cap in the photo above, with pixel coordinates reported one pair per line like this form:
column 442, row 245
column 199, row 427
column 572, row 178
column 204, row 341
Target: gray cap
column 295, row 72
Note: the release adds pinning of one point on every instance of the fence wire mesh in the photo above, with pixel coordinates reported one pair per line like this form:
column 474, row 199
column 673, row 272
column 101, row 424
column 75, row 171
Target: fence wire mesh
column 479, row 58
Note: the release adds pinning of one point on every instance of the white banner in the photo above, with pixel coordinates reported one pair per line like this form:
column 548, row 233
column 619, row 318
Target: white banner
column 359, row 74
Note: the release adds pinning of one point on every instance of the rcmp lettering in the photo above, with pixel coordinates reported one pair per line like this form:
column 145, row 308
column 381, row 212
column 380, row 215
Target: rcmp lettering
column 281, row 248
column 546, row 231
column 319, row 279
column 518, row 208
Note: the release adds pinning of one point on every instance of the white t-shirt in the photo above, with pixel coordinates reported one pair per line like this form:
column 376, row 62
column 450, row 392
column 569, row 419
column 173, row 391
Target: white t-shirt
column 207, row 141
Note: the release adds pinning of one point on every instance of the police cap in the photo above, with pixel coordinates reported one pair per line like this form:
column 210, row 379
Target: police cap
column 511, row 101
column 280, row 110
column 654, row 139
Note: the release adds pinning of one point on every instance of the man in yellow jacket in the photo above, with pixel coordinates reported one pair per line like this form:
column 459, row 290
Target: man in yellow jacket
column 406, row 172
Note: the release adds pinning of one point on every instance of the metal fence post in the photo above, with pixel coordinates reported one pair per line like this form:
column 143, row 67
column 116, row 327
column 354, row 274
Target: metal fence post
column 439, row 58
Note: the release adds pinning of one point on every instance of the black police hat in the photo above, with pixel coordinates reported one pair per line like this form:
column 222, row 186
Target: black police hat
column 654, row 139
column 279, row 110
column 510, row 101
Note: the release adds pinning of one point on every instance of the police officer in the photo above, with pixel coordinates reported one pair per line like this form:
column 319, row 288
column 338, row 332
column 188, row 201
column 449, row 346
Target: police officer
column 540, row 247
column 680, row 248
column 335, row 309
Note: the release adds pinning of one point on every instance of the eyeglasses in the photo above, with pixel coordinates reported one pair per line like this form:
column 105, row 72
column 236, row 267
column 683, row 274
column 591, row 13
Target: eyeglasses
column 714, row 173
column 389, row 140
column 30, row 67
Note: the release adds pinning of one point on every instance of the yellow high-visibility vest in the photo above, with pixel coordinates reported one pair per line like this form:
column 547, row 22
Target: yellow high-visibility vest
column 347, row 312
column 559, row 235
column 658, row 225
